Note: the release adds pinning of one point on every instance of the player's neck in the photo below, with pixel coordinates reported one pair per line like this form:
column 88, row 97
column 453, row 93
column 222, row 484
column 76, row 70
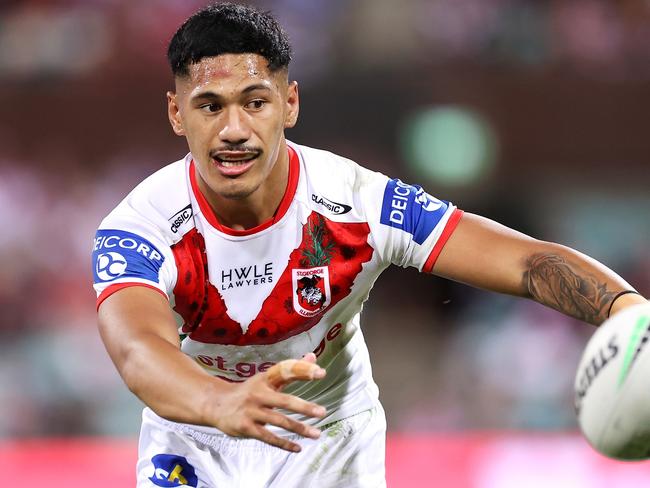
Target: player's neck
column 260, row 206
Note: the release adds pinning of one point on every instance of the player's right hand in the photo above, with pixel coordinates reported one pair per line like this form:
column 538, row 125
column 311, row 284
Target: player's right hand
column 246, row 408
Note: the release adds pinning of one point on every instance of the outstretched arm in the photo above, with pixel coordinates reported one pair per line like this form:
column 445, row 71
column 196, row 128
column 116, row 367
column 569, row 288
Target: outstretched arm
column 488, row 255
column 140, row 334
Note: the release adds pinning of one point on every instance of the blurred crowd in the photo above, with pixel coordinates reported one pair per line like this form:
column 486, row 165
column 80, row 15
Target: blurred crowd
column 563, row 82
column 601, row 37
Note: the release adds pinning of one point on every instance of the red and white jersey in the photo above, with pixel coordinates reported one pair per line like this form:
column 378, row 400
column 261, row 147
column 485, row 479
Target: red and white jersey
column 245, row 300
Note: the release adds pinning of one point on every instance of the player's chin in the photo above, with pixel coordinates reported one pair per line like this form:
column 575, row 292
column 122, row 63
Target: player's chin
column 236, row 190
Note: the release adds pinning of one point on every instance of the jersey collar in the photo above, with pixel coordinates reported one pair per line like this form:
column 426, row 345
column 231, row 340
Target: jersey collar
column 285, row 203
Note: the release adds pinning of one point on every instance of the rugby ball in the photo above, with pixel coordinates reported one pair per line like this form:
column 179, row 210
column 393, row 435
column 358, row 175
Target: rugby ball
column 612, row 386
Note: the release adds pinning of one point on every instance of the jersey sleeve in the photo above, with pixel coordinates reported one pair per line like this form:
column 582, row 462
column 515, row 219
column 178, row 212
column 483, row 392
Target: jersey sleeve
column 409, row 227
column 130, row 250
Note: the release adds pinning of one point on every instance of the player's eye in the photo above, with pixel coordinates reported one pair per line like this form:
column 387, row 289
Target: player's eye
column 256, row 104
column 210, row 107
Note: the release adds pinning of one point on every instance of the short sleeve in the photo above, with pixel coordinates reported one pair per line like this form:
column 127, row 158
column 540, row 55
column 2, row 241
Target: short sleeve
column 129, row 250
column 409, row 226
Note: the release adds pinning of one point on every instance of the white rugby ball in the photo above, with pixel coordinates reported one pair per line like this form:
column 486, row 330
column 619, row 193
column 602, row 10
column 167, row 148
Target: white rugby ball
column 612, row 386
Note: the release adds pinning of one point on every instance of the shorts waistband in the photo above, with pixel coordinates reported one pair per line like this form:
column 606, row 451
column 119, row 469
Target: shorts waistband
column 224, row 442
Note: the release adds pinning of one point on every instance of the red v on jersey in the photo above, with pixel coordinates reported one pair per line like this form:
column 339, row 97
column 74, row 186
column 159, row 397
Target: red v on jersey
column 319, row 274
column 294, row 284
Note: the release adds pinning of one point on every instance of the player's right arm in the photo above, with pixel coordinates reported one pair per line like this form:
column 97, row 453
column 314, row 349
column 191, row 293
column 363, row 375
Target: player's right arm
column 141, row 337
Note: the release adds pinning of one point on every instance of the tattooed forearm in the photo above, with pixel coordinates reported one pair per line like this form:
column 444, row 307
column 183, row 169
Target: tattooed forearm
column 551, row 280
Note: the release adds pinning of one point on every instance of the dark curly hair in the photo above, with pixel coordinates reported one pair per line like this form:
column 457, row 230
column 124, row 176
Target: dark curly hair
column 228, row 28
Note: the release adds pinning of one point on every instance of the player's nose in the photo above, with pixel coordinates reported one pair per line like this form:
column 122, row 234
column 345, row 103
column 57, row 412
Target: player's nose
column 235, row 129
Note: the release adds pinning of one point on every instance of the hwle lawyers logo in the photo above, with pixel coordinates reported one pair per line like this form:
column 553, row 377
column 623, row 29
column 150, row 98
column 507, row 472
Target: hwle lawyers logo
column 118, row 253
column 254, row 275
column 411, row 209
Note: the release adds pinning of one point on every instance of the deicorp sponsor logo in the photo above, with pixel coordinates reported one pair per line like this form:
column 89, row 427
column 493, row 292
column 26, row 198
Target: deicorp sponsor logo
column 180, row 217
column 171, row 470
column 117, row 253
column 411, row 209
column 110, row 265
column 334, row 207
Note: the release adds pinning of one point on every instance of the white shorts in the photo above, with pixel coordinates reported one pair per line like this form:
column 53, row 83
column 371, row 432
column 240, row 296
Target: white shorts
column 350, row 453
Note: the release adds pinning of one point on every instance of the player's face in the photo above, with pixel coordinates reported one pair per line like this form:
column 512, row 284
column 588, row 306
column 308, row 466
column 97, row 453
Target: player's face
column 233, row 111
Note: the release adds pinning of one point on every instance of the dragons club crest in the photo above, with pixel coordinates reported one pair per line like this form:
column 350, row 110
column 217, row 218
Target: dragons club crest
column 311, row 284
column 311, row 290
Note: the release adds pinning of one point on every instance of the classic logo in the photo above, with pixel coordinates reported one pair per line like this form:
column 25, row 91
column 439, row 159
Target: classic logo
column 171, row 470
column 334, row 207
column 411, row 209
column 110, row 265
column 312, row 292
column 120, row 254
column 179, row 218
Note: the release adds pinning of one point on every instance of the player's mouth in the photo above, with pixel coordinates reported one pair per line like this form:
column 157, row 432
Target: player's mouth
column 234, row 163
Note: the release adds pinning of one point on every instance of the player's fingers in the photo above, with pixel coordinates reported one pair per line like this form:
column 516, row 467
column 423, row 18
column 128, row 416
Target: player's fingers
column 310, row 357
column 294, row 404
column 268, row 416
column 290, row 370
column 264, row 435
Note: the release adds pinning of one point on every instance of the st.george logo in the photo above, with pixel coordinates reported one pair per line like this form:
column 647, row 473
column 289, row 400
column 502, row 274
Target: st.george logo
column 171, row 470
column 110, row 265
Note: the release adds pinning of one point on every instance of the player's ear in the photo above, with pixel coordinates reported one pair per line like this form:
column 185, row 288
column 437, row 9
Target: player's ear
column 174, row 114
column 293, row 105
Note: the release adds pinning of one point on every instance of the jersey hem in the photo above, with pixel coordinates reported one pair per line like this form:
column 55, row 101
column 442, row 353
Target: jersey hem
column 213, row 437
column 452, row 223
column 119, row 286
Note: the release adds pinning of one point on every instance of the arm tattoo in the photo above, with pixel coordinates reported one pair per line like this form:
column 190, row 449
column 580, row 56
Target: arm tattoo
column 551, row 280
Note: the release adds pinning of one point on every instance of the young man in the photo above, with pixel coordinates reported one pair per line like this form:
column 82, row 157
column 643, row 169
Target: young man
column 253, row 251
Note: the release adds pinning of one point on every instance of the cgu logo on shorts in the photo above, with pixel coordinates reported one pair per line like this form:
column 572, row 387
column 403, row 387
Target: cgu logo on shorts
column 311, row 288
column 171, row 470
column 118, row 253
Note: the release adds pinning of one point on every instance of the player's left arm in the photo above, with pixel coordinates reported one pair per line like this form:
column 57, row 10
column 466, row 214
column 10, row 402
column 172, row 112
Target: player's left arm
column 488, row 255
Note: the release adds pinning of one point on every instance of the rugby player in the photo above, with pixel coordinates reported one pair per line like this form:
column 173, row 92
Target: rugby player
column 230, row 282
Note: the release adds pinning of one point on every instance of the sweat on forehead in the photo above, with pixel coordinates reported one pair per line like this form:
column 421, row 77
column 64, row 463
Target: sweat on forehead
column 231, row 72
column 226, row 65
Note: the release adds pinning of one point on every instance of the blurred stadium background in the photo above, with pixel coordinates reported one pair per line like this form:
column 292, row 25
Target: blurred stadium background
column 533, row 113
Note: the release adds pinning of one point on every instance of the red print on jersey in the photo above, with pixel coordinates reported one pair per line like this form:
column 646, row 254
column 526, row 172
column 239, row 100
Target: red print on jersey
column 331, row 250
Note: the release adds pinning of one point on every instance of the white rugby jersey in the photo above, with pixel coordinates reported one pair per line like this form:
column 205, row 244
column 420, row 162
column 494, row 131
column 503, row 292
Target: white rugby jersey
column 245, row 300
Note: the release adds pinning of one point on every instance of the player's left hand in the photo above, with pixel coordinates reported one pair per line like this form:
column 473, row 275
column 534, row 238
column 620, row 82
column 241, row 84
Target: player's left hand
column 248, row 407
